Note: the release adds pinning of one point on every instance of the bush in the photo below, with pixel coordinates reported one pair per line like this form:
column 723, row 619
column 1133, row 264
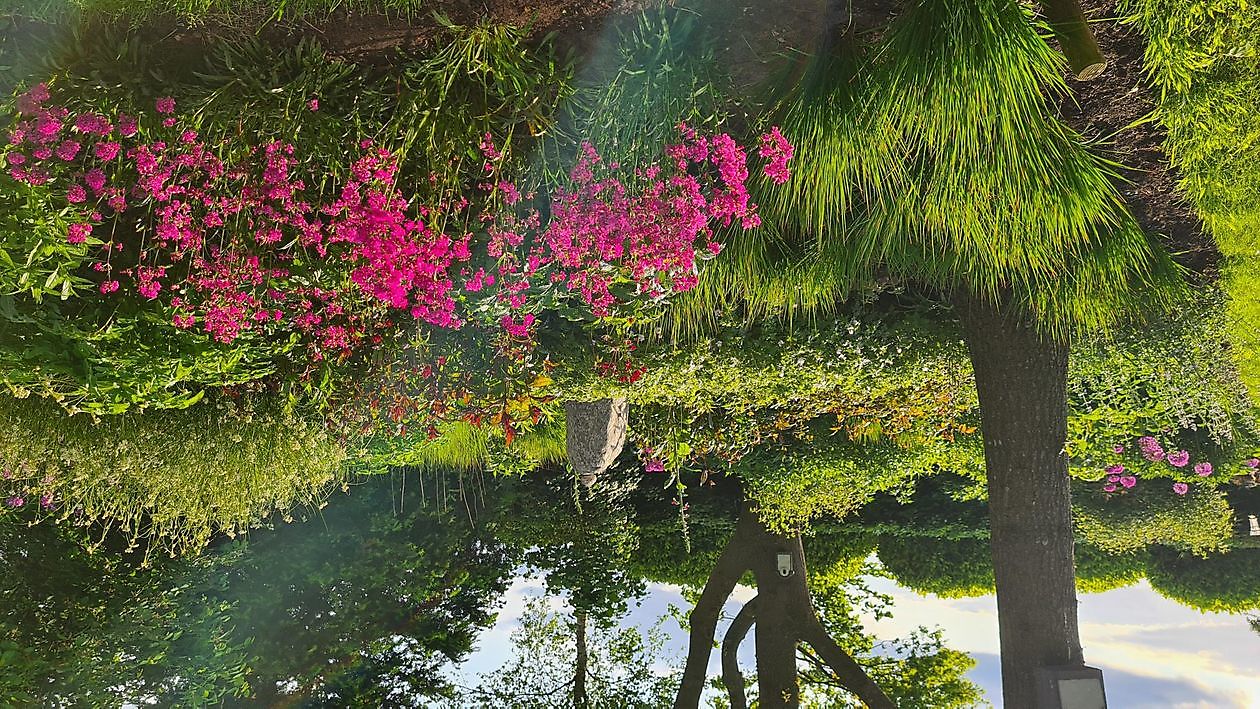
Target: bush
column 1220, row 583
column 949, row 568
column 1151, row 513
column 170, row 478
column 1098, row 571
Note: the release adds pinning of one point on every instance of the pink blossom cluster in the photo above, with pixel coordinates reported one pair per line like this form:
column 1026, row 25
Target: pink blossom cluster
column 602, row 232
column 238, row 247
column 1152, row 451
column 777, row 152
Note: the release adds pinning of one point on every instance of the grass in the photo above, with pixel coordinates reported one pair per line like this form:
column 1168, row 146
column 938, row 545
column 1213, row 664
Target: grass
column 1203, row 59
column 930, row 158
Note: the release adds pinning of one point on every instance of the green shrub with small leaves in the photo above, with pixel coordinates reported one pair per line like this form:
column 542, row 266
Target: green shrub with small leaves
column 170, row 479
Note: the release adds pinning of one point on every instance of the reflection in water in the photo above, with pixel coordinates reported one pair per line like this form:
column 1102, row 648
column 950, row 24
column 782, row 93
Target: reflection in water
column 381, row 601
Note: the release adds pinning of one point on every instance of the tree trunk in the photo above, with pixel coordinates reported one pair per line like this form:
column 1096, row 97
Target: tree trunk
column 731, row 676
column 1021, row 379
column 580, row 700
column 730, row 566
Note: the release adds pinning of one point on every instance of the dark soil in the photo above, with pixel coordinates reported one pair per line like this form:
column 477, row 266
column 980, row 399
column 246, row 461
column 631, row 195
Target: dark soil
column 1105, row 110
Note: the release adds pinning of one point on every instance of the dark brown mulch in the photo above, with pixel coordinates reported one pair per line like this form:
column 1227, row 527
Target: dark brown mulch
column 1106, row 109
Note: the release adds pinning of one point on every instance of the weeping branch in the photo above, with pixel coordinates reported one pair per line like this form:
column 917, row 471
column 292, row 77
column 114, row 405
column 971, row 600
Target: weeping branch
column 731, row 676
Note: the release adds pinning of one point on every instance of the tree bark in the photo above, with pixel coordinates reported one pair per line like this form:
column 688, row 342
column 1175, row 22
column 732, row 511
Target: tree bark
column 1021, row 379
column 580, row 700
column 1075, row 38
column 731, row 676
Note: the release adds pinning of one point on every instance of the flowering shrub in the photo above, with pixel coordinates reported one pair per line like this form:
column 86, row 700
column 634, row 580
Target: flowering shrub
column 242, row 250
column 1149, row 457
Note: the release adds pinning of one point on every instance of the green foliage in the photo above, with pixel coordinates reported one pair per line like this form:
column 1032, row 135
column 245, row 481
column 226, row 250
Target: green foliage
column 580, row 542
column 1175, row 374
column 1151, row 513
column 949, row 568
column 922, row 672
column 658, row 71
column 1227, row 583
column 168, row 479
column 622, row 670
column 796, row 485
column 933, row 159
column 242, row 14
column 1204, row 58
column 1098, row 571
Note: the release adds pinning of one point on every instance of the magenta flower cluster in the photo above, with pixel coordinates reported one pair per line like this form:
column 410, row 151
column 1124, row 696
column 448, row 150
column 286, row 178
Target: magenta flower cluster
column 243, row 248
column 1152, row 451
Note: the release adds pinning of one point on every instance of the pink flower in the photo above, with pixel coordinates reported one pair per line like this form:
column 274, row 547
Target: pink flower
column 1115, row 469
column 1181, row 488
column 1252, row 463
column 1203, row 469
column 513, row 328
column 46, row 501
column 1118, row 449
column 109, row 287
column 1109, row 487
column 78, row 233
column 68, row 150
column 127, row 125
column 29, row 103
column 106, row 151
column 76, row 194
column 16, row 159
column 1113, row 478
column 777, row 151
column 1178, row 459
column 15, row 502
column 1128, row 481
column 313, row 104
column 95, row 179
column 654, row 465
column 165, row 105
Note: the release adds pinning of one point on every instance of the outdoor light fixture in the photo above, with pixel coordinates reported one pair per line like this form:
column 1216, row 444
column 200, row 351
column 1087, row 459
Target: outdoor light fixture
column 785, row 564
column 1072, row 687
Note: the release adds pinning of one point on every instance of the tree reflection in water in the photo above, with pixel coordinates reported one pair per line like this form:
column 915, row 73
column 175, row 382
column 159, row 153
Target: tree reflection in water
column 378, row 601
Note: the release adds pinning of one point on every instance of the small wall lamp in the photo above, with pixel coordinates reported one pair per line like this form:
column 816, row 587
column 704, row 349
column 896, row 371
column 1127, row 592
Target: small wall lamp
column 1071, row 687
column 785, row 564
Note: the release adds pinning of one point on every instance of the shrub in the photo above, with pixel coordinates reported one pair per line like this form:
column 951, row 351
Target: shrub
column 170, row 478
column 1228, row 582
column 949, row 568
column 1150, row 514
column 1098, row 571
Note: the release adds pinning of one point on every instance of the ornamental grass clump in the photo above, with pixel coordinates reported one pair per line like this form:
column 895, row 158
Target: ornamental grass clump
column 169, row 479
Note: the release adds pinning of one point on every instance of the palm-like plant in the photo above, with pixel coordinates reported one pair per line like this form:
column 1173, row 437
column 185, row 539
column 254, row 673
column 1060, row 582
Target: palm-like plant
column 933, row 159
